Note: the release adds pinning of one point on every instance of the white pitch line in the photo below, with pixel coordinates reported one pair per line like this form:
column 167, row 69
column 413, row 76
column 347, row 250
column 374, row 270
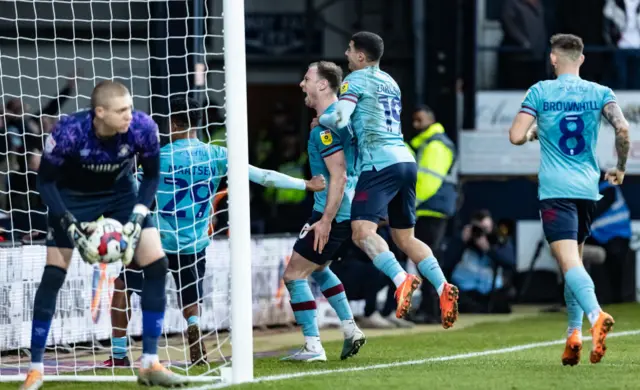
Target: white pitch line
column 469, row 355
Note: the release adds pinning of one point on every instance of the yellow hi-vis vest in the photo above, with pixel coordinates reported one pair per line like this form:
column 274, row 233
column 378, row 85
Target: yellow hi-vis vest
column 436, row 186
column 288, row 196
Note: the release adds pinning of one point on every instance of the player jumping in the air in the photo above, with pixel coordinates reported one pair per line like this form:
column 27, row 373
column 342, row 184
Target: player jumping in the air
column 189, row 177
column 85, row 173
column 334, row 155
column 568, row 111
column 387, row 183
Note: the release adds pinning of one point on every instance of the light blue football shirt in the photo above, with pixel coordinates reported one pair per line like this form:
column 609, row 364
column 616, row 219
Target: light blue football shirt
column 322, row 143
column 376, row 119
column 568, row 111
column 190, row 173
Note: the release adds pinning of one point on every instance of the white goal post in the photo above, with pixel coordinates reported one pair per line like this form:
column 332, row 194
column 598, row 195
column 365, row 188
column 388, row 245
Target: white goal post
column 237, row 138
column 239, row 222
column 33, row 69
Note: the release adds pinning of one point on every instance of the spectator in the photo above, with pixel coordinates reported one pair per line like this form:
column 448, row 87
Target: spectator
column 28, row 212
column 436, row 195
column 611, row 230
column 287, row 158
column 479, row 270
column 622, row 31
column 24, row 129
column 522, row 63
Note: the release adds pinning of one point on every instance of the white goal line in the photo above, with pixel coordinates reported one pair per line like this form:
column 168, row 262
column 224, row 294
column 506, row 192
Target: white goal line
column 469, row 355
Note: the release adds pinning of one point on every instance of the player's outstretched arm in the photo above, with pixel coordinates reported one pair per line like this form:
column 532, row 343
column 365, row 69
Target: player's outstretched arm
column 269, row 178
column 616, row 118
column 522, row 129
column 339, row 118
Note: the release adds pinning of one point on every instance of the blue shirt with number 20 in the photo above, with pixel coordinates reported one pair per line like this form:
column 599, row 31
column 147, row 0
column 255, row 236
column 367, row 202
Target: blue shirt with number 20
column 190, row 172
column 568, row 110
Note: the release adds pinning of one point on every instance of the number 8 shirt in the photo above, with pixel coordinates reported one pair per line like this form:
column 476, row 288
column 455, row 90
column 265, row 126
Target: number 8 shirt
column 376, row 119
column 568, row 111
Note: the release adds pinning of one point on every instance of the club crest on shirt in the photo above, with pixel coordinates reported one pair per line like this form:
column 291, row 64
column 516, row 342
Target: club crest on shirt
column 124, row 151
column 49, row 145
column 344, row 87
column 325, row 137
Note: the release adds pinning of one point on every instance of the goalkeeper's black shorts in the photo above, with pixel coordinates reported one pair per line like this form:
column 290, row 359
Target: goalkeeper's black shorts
column 88, row 207
column 187, row 271
column 339, row 241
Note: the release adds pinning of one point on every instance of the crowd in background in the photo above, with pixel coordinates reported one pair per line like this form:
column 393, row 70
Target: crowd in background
column 610, row 30
column 477, row 255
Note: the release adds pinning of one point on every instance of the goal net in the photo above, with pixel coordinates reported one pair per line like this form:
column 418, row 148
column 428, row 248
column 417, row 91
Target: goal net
column 52, row 53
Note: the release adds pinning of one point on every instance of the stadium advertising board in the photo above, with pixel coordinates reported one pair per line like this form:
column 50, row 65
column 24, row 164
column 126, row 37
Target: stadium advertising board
column 487, row 150
column 84, row 302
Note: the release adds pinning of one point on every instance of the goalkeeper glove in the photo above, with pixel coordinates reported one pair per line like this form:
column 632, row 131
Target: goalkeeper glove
column 79, row 235
column 131, row 231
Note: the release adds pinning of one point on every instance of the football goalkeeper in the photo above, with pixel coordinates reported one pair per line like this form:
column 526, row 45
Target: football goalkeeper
column 86, row 173
column 190, row 174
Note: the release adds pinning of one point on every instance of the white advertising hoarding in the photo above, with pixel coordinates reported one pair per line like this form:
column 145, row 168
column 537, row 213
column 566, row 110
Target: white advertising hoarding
column 487, row 150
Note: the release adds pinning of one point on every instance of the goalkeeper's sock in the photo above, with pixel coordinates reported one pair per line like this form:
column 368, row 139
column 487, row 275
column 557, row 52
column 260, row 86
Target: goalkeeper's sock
column 193, row 320
column 574, row 311
column 119, row 347
column 333, row 290
column 430, row 269
column 387, row 264
column 153, row 301
column 304, row 307
column 44, row 307
column 584, row 291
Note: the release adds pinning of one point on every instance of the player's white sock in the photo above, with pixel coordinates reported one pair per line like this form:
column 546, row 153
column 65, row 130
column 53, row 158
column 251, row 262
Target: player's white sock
column 37, row 366
column 148, row 360
column 593, row 316
column 399, row 278
column 440, row 289
column 570, row 331
column 348, row 328
column 313, row 343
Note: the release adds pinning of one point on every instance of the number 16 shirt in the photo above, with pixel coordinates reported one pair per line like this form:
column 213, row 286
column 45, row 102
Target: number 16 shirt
column 376, row 119
column 568, row 110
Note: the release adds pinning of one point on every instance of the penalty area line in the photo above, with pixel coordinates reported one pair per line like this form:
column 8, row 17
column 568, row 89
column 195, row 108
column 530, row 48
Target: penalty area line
column 469, row 355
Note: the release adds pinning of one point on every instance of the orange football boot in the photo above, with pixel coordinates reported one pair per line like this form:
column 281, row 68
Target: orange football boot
column 34, row 380
column 572, row 348
column 404, row 293
column 599, row 332
column 449, row 305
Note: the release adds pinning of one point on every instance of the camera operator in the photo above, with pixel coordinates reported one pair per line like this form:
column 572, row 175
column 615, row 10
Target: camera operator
column 485, row 254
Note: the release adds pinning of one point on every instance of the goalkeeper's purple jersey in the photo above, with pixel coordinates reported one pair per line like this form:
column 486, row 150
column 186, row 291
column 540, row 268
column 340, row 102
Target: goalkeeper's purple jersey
column 376, row 119
column 89, row 164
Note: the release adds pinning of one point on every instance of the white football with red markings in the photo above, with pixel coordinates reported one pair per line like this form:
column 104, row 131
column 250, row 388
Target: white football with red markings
column 109, row 240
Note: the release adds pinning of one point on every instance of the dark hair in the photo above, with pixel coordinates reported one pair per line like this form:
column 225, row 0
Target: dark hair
column 185, row 112
column 331, row 72
column 370, row 44
column 105, row 91
column 570, row 44
column 423, row 107
column 479, row 215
